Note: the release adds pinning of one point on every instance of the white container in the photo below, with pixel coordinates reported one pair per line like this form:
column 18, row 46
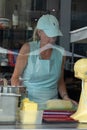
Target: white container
column 8, row 107
column 31, row 117
column 5, row 22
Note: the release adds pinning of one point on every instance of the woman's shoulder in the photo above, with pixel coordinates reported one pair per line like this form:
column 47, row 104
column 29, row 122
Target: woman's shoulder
column 27, row 45
column 25, row 48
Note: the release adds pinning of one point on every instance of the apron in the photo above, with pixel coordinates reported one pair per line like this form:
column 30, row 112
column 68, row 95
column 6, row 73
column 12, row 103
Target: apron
column 41, row 77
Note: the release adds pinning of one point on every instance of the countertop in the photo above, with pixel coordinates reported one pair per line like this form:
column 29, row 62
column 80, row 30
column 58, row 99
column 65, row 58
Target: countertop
column 47, row 126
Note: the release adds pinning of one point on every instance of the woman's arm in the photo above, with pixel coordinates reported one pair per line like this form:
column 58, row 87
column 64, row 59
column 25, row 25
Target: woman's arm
column 20, row 64
column 62, row 86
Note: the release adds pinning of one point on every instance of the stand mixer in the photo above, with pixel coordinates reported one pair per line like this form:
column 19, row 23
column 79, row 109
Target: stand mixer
column 80, row 69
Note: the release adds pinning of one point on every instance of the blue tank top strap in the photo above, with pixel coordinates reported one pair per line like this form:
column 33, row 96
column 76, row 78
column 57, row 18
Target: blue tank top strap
column 34, row 45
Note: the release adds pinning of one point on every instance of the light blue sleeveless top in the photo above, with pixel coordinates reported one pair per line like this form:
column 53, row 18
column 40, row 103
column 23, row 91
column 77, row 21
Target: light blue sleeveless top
column 41, row 75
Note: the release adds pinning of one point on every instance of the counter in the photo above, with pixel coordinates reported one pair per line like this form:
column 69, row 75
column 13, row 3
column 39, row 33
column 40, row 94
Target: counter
column 47, row 126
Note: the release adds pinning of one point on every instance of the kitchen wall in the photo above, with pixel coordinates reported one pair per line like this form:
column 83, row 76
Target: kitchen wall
column 2, row 8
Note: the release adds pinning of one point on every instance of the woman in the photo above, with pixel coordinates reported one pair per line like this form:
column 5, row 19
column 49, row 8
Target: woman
column 40, row 63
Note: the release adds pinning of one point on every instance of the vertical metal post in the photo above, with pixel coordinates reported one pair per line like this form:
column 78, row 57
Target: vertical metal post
column 72, row 61
column 65, row 21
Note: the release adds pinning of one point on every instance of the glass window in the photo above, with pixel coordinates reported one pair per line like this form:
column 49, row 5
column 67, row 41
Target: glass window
column 78, row 14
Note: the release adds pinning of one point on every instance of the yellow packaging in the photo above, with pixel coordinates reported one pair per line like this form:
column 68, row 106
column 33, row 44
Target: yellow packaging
column 29, row 113
column 31, row 117
column 26, row 104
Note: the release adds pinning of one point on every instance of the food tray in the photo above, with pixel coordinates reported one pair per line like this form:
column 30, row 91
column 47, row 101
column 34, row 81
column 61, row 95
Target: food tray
column 55, row 116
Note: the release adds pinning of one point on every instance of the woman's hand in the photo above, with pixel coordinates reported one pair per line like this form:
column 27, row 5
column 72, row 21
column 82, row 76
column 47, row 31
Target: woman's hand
column 21, row 62
column 66, row 97
column 15, row 81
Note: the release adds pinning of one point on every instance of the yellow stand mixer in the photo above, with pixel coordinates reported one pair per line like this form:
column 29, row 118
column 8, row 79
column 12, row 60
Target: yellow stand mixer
column 80, row 69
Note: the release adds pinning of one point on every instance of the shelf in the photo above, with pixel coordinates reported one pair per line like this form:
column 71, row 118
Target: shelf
column 15, row 34
column 14, row 38
column 11, row 40
column 79, row 34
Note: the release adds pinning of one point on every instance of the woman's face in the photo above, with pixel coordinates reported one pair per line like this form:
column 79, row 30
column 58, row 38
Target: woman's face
column 45, row 39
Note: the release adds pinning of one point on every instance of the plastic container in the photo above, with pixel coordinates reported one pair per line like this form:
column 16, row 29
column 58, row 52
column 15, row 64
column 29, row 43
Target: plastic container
column 8, row 107
column 31, row 117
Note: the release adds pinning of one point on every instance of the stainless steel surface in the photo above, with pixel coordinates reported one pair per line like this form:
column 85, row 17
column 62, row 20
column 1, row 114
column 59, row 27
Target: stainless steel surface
column 9, row 94
column 78, row 35
column 47, row 126
column 8, row 107
column 11, row 89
